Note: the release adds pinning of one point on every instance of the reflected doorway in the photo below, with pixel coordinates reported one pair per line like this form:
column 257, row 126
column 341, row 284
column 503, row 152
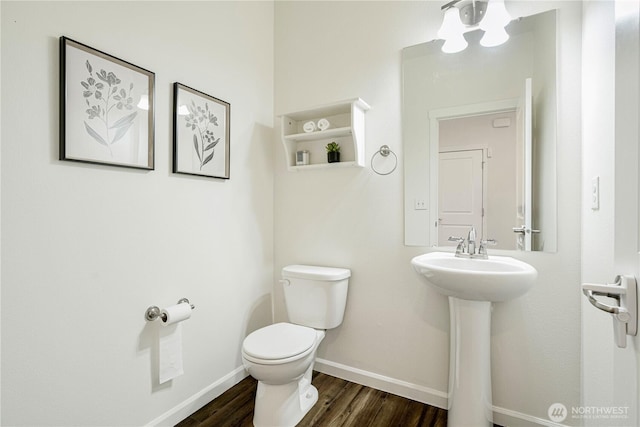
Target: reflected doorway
column 480, row 177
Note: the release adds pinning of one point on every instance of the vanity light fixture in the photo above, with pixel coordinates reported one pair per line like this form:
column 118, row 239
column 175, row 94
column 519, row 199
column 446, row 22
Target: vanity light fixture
column 461, row 16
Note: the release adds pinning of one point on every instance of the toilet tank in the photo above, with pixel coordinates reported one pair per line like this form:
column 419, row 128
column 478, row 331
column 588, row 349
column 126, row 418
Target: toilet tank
column 315, row 296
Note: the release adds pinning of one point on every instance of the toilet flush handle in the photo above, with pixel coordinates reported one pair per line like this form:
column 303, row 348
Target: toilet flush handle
column 285, row 282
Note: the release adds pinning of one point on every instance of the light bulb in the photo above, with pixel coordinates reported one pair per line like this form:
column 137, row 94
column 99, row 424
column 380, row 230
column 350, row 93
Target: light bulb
column 495, row 16
column 494, row 37
column 455, row 44
column 452, row 25
column 452, row 31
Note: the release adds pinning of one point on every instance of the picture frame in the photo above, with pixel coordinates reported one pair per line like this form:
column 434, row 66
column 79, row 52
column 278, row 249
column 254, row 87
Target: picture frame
column 201, row 133
column 106, row 108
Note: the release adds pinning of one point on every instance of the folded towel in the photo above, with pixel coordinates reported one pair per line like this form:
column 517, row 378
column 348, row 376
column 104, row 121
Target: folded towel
column 309, row 127
column 323, row 124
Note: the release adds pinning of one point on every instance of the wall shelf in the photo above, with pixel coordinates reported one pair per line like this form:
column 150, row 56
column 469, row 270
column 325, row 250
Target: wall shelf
column 347, row 129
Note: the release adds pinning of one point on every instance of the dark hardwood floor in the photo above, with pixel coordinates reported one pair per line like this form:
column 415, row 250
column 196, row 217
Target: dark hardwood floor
column 340, row 404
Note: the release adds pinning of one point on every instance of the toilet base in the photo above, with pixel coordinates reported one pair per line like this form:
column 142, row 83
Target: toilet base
column 284, row 405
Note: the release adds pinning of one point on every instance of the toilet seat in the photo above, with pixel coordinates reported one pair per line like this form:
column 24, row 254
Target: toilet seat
column 279, row 343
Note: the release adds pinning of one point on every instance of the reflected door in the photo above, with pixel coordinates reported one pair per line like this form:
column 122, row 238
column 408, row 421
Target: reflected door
column 460, row 194
column 524, row 166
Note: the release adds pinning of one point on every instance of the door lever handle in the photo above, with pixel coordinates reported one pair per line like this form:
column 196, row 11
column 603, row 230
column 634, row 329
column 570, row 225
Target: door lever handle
column 613, row 290
column 625, row 314
column 524, row 230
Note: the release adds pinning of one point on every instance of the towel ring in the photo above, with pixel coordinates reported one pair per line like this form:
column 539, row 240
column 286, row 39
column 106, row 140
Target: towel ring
column 384, row 151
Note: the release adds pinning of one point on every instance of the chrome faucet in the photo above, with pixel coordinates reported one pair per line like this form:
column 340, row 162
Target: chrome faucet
column 467, row 247
column 471, row 241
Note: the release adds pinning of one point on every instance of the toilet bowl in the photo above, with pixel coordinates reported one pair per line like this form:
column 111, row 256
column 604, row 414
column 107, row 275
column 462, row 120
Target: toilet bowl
column 283, row 369
column 281, row 356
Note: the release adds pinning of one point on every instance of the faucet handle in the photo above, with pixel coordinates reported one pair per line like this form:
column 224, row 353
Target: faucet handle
column 482, row 250
column 460, row 241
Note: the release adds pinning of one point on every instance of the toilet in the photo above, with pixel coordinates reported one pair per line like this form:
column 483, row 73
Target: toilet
column 281, row 356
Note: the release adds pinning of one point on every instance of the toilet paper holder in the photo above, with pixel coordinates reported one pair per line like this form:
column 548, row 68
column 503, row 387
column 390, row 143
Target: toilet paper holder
column 154, row 312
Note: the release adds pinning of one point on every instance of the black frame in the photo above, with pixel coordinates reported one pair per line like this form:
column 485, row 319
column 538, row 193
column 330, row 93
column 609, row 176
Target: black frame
column 205, row 146
column 73, row 140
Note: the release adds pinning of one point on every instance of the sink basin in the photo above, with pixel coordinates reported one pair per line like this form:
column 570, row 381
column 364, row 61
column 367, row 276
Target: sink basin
column 498, row 278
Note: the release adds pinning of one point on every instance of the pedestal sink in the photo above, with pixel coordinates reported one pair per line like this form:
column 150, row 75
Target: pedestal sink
column 472, row 284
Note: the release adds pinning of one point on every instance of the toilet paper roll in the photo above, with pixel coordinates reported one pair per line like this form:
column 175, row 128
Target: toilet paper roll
column 323, row 124
column 176, row 313
column 309, row 127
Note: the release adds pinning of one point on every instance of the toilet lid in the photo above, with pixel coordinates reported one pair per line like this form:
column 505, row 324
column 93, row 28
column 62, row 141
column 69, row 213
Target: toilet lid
column 279, row 341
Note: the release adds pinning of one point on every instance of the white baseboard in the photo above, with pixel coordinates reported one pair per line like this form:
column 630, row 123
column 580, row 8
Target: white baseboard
column 380, row 382
column 507, row 417
column 437, row 398
column 198, row 400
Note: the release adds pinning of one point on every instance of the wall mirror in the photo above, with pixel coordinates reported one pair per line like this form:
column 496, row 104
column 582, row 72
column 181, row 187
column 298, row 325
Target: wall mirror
column 479, row 138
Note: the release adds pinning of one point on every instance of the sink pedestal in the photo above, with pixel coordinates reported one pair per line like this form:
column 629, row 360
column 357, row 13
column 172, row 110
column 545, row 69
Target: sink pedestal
column 472, row 284
column 469, row 397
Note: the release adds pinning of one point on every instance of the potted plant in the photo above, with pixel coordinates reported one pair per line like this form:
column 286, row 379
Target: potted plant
column 333, row 152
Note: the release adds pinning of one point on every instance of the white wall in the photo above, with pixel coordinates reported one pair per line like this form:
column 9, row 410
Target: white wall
column 394, row 326
column 86, row 249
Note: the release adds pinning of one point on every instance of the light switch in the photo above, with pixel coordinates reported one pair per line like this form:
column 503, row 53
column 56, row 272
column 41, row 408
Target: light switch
column 595, row 193
column 419, row 205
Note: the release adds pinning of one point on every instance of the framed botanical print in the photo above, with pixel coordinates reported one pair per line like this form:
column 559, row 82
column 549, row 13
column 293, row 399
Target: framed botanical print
column 106, row 108
column 200, row 133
